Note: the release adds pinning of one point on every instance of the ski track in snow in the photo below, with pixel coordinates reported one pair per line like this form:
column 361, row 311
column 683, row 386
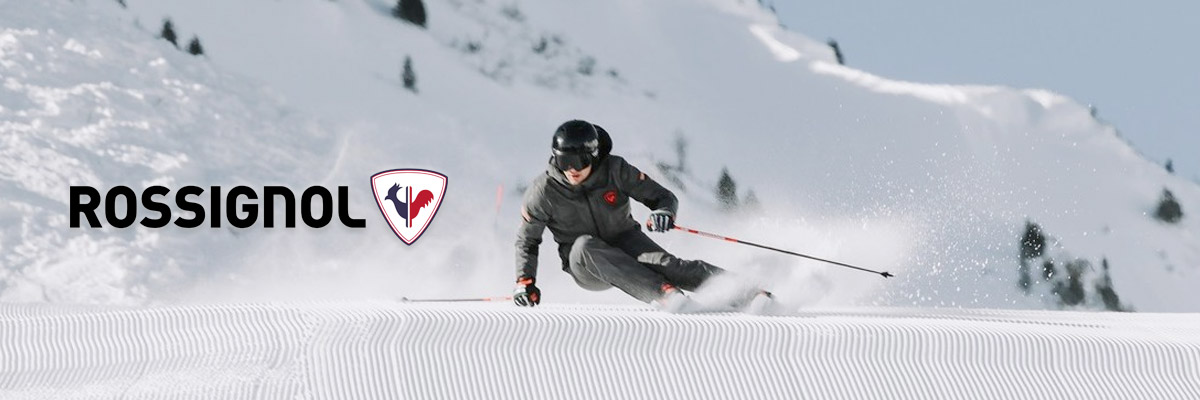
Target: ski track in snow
column 390, row 350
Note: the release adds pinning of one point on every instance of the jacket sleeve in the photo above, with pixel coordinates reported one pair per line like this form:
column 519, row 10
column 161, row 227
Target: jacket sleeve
column 529, row 235
column 640, row 187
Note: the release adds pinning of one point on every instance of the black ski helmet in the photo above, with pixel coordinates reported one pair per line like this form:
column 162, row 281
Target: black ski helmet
column 576, row 144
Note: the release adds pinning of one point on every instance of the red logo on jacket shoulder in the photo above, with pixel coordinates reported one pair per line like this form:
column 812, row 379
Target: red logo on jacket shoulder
column 610, row 197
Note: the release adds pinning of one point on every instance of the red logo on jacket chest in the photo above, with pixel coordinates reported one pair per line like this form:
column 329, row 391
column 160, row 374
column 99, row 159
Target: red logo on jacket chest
column 610, row 197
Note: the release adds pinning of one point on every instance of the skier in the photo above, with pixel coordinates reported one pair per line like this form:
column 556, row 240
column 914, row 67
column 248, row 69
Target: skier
column 584, row 198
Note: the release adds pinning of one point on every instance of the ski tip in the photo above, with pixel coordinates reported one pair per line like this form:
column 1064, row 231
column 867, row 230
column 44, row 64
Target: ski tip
column 886, row 274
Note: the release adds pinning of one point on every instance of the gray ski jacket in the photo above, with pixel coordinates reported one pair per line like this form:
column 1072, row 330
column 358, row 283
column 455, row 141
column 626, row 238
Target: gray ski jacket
column 599, row 206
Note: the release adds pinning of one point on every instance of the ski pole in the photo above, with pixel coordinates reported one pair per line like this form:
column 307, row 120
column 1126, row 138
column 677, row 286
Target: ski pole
column 478, row 299
column 729, row 239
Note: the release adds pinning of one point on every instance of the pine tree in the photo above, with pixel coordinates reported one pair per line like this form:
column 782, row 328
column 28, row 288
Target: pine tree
column 1024, row 280
column 194, row 48
column 587, row 65
column 1033, row 243
column 410, row 10
column 168, row 33
column 409, row 77
column 1104, row 289
column 751, row 201
column 727, row 191
column 1170, row 167
column 1048, row 270
column 1168, row 210
column 541, row 46
column 512, row 12
column 1071, row 293
column 837, row 51
column 680, row 152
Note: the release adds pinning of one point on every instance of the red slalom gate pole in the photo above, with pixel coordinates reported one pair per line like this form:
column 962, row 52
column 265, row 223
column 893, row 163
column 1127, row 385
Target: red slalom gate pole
column 729, row 239
column 475, row 299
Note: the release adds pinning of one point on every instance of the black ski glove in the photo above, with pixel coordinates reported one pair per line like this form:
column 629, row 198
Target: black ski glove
column 526, row 294
column 660, row 221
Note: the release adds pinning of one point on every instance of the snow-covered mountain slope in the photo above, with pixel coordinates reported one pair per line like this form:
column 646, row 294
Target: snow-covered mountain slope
column 89, row 102
column 382, row 350
column 934, row 183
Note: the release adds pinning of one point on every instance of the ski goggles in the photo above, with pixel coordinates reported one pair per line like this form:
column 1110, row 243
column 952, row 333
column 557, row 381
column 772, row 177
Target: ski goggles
column 569, row 161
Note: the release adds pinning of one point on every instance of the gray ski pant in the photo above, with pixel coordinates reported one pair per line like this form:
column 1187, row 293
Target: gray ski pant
column 635, row 264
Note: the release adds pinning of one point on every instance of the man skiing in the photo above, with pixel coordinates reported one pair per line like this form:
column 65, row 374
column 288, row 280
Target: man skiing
column 584, row 198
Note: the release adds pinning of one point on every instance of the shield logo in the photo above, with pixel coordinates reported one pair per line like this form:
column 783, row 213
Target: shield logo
column 408, row 199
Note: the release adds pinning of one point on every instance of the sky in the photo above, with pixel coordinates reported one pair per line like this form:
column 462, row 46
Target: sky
column 1138, row 63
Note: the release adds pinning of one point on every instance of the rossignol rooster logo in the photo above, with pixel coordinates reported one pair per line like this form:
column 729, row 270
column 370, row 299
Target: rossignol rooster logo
column 408, row 199
column 408, row 209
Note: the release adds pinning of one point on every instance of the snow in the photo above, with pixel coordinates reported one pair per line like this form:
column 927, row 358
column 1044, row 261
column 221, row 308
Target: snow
column 389, row 350
column 782, row 52
column 931, row 182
